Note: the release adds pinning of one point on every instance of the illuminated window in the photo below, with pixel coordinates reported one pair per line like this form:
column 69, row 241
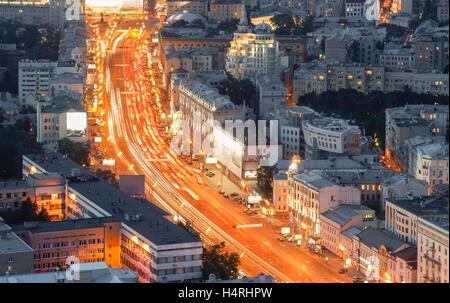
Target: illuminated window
column 350, row 77
column 369, row 72
column 363, row 187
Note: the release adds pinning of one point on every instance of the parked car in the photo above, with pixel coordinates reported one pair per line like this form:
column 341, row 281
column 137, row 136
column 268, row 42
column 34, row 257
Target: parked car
column 342, row 270
column 357, row 279
column 282, row 238
column 234, row 194
column 225, row 195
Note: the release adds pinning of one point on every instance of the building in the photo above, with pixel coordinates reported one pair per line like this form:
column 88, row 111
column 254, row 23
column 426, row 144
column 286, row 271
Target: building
column 290, row 129
column 310, row 194
column 319, row 77
column 13, row 192
column 325, row 137
column 426, row 158
column 372, row 249
column 403, row 266
column 48, row 192
column 16, row 257
column 397, row 59
column 208, row 104
column 98, row 272
column 34, row 12
column 252, row 51
column 191, row 59
column 150, row 245
column 429, row 54
column 338, row 219
column 88, row 240
column 34, row 79
column 402, row 215
column 272, row 95
column 62, row 117
column 199, row 7
column 442, row 12
column 225, row 10
column 432, row 249
column 280, row 193
column 401, row 186
column 67, row 84
column 403, row 123
column 354, row 8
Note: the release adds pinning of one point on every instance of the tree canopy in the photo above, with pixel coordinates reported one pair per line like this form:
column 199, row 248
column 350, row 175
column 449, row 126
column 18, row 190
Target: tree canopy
column 28, row 212
column 368, row 110
column 264, row 182
column 223, row 264
column 77, row 151
column 239, row 91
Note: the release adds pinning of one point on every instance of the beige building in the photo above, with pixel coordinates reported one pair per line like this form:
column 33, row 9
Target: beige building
column 432, row 249
column 402, row 266
column 280, row 193
column 224, row 10
column 199, row 7
column 420, row 83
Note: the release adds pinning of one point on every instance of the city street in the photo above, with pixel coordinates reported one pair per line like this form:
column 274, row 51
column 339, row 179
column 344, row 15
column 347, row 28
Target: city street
column 138, row 147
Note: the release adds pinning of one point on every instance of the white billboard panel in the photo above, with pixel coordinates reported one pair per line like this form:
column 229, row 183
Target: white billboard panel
column 228, row 151
column 76, row 124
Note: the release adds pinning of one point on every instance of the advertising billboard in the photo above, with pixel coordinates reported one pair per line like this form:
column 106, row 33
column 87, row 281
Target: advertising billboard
column 228, row 151
column 76, row 124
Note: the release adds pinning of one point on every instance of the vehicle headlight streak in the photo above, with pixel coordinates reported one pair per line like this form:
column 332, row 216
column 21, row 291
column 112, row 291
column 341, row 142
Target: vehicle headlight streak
column 165, row 193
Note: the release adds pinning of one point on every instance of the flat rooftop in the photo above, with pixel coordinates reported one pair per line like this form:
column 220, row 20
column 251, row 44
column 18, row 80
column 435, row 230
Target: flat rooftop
column 11, row 243
column 153, row 225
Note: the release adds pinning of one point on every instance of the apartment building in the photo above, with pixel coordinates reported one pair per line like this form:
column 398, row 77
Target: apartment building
column 426, row 158
column 325, row 137
column 402, row 215
column 57, row 244
column 199, row 7
column 13, row 192
column 310, row 194
column 290, row 129
column 354, row 8
column 225, row 10
column 420, row 83
column 16, row 257
column 34, row 12
column 34, row 79
column 150, row 245
column 280, row 193
column 432, row 249
column 272, row 95
column 429, row 54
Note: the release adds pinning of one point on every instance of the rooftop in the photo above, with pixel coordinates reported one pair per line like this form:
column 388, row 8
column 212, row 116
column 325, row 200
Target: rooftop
column 153, row 225
column 424, row 206
column 210, row 95
column 331, row 124
column 10, row 243
column 13, row 184
column 61, row 104
column 376, row 238
column 313, row 179
column 344, row 213
column 351, row 231
column 55, row 226
column 437, row 220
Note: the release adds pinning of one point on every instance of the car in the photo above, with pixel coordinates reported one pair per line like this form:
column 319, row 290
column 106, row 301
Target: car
column 282, row 238
column 357, row 279
column 221, row 192
column 225, row 195
column 234, row 194
column 236, row 198
column 342, row 270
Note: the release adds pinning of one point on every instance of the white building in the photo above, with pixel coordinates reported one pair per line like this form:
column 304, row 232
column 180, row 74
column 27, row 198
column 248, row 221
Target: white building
column 432, row 249
column 426, row 158
column 272, row 94
column 34, row 79
column 330, row 136
column 252, row 51
column 310, row 194
column 402, row 215
column 401, row 186
column 397, row 59
column 34, row 12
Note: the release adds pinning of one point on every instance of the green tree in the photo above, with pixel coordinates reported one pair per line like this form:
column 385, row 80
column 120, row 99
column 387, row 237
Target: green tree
column 27, row 212
column 240, row 91
column 265, row 180
column 77, row 151
column 284, row 24
column 224, row 265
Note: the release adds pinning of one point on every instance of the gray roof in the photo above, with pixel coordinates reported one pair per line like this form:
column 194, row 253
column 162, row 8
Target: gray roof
column 12, row 243
column 280, row 176
column 438, row 220
column 153, row 224
column 313, row 179
column 376, row 237
column 421, row 206
column 351, row 231
column 54, row 226
column 344, row 213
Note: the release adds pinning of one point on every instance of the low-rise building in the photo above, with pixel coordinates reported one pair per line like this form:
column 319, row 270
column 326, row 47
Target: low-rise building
column 403, row 266
column 426, row 158
column 98, row 272
column 16, row 257
column 401, row 186
column 432, row 249
column 372, row 249
column 180, row 6
column 402, row 215
column 337, row 220
column 225, row 10
column 13, row 192
column 272, row 95
column 326, row 137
